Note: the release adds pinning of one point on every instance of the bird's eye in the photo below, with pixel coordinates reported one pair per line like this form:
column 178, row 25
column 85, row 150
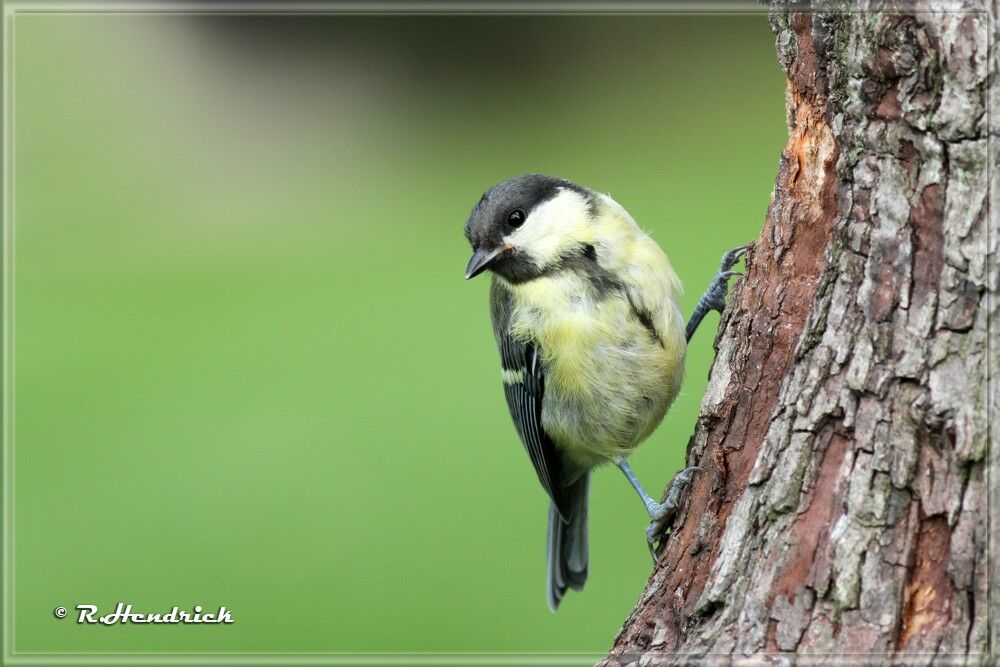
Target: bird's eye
column 516, row 218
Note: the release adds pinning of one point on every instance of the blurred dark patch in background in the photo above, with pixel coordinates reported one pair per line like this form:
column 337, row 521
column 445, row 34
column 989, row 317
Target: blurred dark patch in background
column 499, row 57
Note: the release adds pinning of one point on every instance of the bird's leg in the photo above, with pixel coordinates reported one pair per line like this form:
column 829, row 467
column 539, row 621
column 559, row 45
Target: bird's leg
column 651, row 505
column 714, row 297
column 660, row 514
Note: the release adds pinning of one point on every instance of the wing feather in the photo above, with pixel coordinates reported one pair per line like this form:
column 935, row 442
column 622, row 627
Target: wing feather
column 524, row 388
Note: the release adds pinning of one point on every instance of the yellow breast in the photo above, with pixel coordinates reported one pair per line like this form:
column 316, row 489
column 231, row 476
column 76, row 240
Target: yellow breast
column 608, row 380
column 560, row 316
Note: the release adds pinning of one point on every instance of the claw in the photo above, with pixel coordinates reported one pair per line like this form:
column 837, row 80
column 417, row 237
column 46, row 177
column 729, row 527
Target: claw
column 665, row 512
column 731, row 257
column 716, row 293
column 652, row 541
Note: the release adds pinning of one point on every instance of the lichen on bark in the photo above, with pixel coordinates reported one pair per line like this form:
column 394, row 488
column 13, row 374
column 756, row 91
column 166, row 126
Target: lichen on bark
column 844, row 429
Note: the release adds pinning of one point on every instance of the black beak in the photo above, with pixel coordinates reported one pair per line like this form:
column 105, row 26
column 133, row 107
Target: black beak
column 481, row 260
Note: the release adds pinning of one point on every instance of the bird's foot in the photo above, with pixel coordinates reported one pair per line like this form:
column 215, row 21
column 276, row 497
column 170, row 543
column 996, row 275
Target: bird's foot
column 715, row 295
column 662, row 515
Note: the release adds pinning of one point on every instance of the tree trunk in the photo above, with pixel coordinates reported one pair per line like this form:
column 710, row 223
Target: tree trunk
column 844, row 429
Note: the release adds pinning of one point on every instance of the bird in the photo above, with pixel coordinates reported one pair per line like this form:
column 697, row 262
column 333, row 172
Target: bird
column 592, row 343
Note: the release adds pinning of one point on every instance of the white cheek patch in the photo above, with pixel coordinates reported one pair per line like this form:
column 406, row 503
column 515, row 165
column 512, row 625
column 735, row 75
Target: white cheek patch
column 553, row 228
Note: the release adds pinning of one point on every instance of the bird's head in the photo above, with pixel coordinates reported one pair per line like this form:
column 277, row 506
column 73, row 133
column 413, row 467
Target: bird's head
column 526, row 226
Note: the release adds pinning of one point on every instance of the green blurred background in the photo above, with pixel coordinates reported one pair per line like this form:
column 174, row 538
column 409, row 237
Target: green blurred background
column 247, row 369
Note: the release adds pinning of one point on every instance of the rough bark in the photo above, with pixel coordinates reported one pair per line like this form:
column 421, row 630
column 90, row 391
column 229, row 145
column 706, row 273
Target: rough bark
column 844, row 431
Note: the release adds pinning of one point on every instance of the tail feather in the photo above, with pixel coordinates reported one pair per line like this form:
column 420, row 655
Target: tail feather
column 567, row 544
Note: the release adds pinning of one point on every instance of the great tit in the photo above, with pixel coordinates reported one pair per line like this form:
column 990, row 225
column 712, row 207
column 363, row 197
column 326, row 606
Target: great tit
column 591, row 340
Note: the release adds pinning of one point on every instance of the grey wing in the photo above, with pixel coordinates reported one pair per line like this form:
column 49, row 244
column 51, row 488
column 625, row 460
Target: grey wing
column 524, row 387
